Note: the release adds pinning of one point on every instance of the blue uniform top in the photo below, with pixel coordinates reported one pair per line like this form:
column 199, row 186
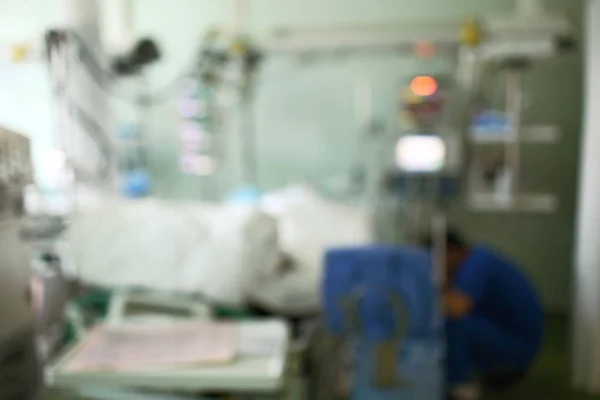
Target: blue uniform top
column 502, row 294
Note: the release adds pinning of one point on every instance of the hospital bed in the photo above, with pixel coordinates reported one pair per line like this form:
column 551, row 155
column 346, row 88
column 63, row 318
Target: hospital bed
column 246, row 243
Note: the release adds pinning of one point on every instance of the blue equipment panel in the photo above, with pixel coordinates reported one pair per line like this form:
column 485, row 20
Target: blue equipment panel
column 377, row 279
column 377, row 274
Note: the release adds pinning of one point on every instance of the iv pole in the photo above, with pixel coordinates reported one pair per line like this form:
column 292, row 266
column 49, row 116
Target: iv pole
column 244, row 135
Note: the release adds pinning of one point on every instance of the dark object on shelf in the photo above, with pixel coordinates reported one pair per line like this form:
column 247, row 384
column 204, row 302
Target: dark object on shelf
column 144, row 53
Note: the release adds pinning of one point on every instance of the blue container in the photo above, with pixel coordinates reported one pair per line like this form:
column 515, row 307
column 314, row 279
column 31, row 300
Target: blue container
column 377, row 275
column 136, row 184
column 374, row 278
column 419, row 371
column 245, row 195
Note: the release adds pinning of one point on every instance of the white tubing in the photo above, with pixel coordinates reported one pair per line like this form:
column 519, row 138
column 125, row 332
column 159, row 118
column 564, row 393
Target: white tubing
column 118, row 34
column 81, row 16
column 530, row 8
column 240, row 15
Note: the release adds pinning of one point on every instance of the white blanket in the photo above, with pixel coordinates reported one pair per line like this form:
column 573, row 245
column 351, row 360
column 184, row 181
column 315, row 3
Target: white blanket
column 198, row 248
column 228, row 253
column 308, row 225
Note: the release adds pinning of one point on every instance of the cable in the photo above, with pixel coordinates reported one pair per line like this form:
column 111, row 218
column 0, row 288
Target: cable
column 105, row 78
column 87, row 57
column 84, row 56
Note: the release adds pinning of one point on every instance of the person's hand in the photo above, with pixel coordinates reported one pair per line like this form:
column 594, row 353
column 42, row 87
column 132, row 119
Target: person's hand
column 457, row 304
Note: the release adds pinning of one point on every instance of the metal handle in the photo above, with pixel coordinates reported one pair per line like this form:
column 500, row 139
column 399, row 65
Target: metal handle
column 514, row 105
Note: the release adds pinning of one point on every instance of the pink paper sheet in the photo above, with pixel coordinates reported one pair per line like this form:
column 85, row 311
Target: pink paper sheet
column 136, row 347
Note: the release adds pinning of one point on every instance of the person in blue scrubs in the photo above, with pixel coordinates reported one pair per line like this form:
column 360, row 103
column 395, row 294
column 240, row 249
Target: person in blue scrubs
column 494, row 319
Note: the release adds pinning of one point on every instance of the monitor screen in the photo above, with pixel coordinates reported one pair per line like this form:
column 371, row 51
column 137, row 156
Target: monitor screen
column 420, row 153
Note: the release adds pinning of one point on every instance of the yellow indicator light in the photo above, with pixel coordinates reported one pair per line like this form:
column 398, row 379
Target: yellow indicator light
column 238, row 48
column 19, row 53
column 471, row 34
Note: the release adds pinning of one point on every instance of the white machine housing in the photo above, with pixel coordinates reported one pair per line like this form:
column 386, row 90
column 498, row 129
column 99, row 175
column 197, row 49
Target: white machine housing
column 18, row 366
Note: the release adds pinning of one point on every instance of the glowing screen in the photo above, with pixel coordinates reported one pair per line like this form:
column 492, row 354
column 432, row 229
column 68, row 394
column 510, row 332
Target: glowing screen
column 420, row 153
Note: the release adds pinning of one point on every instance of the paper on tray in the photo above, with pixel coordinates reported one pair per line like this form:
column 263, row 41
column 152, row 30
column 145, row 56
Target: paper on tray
column 143, row 346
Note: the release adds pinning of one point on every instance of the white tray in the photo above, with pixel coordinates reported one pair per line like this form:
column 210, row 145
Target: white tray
column 259, row 367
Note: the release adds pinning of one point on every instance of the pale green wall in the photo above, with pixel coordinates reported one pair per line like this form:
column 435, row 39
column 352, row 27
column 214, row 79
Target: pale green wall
column 25, row 95
column 306, row 128
column 25, row 104
column 305, row 123
column 297, row 134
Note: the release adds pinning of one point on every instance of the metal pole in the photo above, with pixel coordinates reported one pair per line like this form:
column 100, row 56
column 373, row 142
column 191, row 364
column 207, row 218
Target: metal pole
column 118, row 34
column 363, row 112
column 514, row 104
column 439, row 228
column 249, row 139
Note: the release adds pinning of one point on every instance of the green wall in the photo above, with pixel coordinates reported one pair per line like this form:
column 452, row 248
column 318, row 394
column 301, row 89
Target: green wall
column 544, row 243
column 299, row 139
column 306, row 129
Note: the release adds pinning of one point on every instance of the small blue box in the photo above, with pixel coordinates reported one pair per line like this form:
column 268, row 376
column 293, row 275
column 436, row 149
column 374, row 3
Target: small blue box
column 377, row 274
column 373, row 276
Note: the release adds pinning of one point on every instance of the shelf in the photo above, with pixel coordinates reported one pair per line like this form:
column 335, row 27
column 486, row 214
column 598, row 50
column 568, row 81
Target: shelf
column 531, row 134
column 526, row 202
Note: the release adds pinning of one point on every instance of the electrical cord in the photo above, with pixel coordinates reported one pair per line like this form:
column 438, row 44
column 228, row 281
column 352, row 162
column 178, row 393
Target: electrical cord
column 104, row 78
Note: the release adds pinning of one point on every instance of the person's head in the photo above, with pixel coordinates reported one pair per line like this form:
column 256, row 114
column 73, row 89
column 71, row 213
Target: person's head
column 457, row 249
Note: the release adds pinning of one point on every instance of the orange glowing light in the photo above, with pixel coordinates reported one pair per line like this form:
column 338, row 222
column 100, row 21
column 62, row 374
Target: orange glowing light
column 423, row 86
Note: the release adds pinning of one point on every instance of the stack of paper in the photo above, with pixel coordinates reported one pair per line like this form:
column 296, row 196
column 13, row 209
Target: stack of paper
column 142, row 346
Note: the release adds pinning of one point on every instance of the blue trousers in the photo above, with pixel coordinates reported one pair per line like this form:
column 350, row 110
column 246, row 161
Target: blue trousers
column 475, row 344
